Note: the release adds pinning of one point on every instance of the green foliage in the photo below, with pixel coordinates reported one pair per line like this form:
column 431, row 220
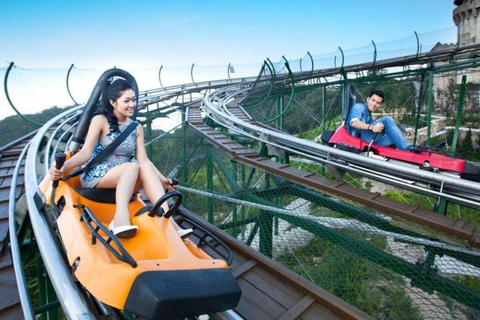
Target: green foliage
column 399, row 97
column 378, row 241
column 305, row 112
column 31, row 274
column 15, row 127
column 472, row 282
column 466, row 147
column 353, row 180
column 332, row 124
column 311, row 104
column 367, row 286
column 368, row 185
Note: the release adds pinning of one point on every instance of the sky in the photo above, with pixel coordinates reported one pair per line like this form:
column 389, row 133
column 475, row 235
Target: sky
column 43, row 38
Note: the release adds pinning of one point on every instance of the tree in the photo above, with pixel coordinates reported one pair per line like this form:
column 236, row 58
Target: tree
column 466, row 147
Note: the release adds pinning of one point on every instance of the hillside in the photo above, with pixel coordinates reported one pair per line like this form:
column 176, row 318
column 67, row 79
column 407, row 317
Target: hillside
column 14, row 127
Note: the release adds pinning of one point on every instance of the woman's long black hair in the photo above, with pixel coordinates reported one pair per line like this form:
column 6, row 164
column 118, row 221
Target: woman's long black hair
column 112, row 91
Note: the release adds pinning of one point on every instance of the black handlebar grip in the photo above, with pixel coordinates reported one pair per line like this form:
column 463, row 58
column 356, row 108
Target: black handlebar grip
column 59, row 161
column 175, row 181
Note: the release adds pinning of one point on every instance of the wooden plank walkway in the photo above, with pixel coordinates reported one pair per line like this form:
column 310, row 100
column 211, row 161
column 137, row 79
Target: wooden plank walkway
column 10, row 307
column 270, row 290
column 456, row 227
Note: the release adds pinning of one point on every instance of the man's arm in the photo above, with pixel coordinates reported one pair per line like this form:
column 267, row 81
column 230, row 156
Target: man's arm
column 355, row 122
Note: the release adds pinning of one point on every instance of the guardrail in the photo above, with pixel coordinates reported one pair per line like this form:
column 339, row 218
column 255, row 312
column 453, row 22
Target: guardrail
column 15, row 247
column 70, row 297
column 460, row 191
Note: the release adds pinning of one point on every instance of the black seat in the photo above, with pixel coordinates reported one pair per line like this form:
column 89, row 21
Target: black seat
column 101, row 195
column 439, row 146
column 350, row 98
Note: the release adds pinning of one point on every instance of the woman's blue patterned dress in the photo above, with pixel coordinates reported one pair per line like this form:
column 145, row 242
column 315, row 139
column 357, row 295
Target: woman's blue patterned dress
column 123, row 153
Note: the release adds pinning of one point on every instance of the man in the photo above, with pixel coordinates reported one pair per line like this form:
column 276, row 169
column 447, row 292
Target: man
column 384, row 130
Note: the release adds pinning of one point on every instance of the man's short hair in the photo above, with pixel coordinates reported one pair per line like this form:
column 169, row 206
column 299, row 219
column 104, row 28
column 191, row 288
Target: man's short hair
column 379, row 93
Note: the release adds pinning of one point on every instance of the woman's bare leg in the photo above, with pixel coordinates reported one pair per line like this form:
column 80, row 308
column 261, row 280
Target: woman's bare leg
column 151, row 184
column 124, row 178
column 154, row 189
column 157, row 172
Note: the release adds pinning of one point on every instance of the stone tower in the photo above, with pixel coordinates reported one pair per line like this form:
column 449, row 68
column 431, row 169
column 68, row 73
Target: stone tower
column 466, row 18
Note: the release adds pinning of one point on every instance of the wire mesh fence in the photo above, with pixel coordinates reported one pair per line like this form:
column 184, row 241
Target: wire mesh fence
column 46, row 86
column 388, row 267
column 425, row 105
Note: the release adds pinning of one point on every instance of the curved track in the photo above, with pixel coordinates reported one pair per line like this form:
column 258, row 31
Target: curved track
column 217, row 106
column 270, row 291
column 282, row 294
column 230, row 112
column 10, row 304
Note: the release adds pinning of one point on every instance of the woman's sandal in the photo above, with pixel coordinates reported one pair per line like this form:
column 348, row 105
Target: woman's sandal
column 184, row 233
column 123, row 231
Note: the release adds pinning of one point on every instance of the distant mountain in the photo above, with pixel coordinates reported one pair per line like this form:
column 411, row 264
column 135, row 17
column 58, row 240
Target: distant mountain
column 14, row 127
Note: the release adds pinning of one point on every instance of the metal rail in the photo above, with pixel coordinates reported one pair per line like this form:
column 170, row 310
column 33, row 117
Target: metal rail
column 464, row 192
column 414, row 213
column 216, row 104
column 9, row 157
column 15, row 247
column 46, row 157
column 70, row 297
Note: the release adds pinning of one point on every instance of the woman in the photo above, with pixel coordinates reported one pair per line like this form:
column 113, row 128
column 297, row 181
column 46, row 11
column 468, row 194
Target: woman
column 119, row 170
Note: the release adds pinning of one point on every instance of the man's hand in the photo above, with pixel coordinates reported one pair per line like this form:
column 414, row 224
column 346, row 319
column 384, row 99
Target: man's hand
column 377, row 127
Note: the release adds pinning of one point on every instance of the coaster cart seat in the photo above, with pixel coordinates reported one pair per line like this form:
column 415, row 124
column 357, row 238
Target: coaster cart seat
column 425, row 158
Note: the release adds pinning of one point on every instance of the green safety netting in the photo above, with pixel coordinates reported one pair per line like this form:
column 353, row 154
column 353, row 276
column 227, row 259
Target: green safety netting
column 386, row 266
